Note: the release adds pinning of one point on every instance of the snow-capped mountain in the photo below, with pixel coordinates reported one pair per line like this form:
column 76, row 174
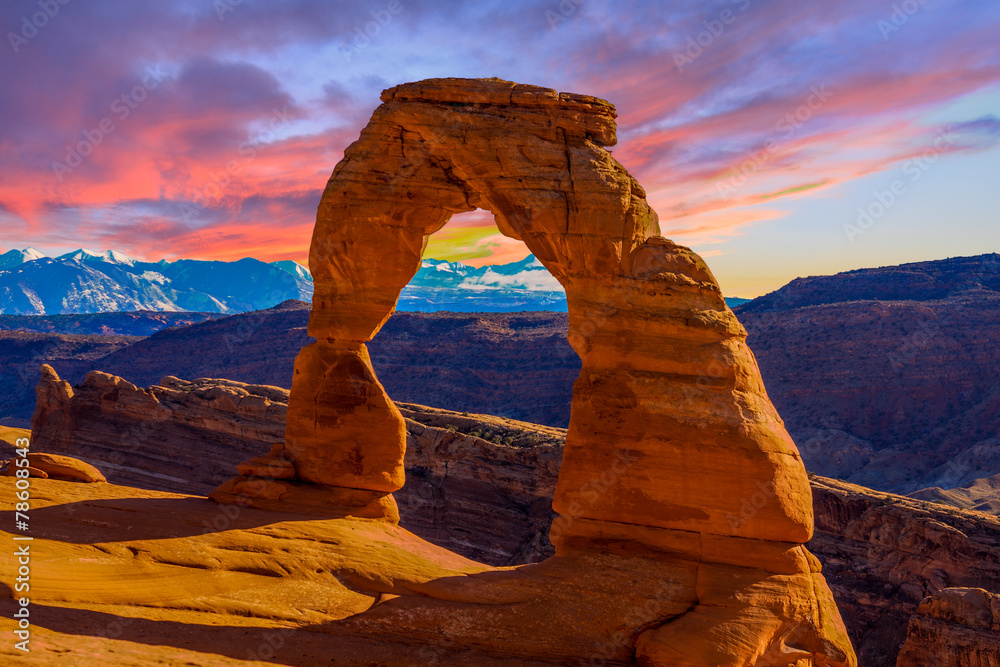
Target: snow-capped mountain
column 108, row 256
column 293, row 268
column 85, row 281
column 521, row 285
column 14, row 258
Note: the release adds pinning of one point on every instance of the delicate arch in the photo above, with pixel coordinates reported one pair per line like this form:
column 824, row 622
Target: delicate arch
column 669, row 407
column 674, row 456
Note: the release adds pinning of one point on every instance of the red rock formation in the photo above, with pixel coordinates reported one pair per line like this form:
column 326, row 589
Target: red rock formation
column 887, row 377
column 673, row 449
column 956, row 627
column 143, row 437
column 65, row 468
column 486, row 500
column 884, row 553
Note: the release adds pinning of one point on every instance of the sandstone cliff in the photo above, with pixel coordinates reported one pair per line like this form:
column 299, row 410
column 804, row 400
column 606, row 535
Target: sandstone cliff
column 884, row 553
column 479, row 485
column 865, row 375
column 168, row 436
column 954, row 628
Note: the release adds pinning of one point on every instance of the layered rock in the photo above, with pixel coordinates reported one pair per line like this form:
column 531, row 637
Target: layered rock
column 866, row 368
column 671, row 438
column 479, row 485
column 887, row 377
column 955, row 627
column 171, row 435
column 884, row 553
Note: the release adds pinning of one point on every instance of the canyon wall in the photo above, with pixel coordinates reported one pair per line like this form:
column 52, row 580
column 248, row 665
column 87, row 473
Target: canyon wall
column 957, row 627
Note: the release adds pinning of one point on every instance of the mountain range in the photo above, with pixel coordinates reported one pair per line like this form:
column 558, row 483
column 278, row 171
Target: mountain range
column 85, row 281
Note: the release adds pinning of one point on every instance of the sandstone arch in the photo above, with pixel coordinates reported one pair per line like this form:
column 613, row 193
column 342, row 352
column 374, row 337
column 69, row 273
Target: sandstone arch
column 664, row 362
column 674, row 450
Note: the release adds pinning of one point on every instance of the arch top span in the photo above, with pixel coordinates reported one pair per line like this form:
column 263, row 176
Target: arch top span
column 532, row 156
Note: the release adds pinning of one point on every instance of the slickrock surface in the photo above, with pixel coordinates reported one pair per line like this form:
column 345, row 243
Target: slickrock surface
column 171, row 570
column 683, row 503
column 9, row 436
column 57, row 466
column 115, row 568
column 957, row 627
column 132, row 577
column 479, row 485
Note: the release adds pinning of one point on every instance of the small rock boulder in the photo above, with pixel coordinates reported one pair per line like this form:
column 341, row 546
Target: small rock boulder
column 57, row 466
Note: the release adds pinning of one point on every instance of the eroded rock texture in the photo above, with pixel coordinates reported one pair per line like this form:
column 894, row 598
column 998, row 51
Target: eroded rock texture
column 883, row 554
column 956, row 627
column 479, row 485
column 172, row 435
column 676, row 466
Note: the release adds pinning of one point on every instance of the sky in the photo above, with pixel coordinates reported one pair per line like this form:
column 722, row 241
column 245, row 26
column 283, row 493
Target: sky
column 776, row 138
